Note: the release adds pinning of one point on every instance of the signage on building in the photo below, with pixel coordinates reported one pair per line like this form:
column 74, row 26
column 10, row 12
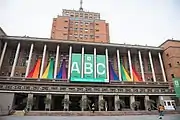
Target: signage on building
column 177, row 86
column 89, row 73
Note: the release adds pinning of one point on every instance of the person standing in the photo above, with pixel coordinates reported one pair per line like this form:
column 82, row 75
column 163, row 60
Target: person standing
column 161, row 111
column 93, row 107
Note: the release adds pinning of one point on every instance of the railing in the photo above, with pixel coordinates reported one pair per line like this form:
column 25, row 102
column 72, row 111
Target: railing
column 40, row 80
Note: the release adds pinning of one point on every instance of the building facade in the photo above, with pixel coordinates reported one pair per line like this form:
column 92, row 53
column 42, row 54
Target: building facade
column 78, row 25
column 59, row 70
column 171, row 50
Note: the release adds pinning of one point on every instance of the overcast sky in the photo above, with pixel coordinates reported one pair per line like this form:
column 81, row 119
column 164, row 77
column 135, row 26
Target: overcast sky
column 141, row 22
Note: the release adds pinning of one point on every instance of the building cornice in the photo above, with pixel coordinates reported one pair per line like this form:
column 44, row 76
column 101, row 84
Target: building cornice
column 48, row 40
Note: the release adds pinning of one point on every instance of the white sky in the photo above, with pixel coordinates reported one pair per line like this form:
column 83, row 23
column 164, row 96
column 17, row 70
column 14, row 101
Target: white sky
column 141, row 22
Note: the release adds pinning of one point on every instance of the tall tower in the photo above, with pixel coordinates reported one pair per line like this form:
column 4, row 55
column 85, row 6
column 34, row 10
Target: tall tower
column 79, row 25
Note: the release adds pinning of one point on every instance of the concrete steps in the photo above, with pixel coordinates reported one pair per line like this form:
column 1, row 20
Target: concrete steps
column 97, row 113
column 19, row 113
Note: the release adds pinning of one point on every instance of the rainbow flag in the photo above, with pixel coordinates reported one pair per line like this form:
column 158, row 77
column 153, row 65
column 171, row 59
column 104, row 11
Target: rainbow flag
column 124, row 74
column 48, row 73
column 62, row 72
column 136, row 76
column 34, row 73
column 112, row 73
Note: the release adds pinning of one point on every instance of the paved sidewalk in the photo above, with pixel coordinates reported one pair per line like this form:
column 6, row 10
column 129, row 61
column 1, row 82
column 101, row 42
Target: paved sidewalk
column 143, row 117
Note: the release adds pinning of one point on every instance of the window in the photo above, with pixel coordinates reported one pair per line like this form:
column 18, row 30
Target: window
column 72, row 15
column 76, row 29
column 97, row 36
column 64, row 34
column 169, row 104
column 11, row 61
column 75, row 35
column 65, row 21
column 167, row 54
column 172, row 75
column 86, row 36
column 170, row 65
column 91, row 36
column 76, row 23
column 51, row 54
column 178, row 63
column 97, row 30
column 22, row 74
column 81, row 28
column 16, row 73
column 86, row 30
column 2, row 73
column 97, row 24
column 165, row 103
column 80, row 35
column 65, row 27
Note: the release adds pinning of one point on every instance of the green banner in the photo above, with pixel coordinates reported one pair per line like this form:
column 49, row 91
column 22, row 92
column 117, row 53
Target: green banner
column 88, row 66
column 177, row 86
column 101, row 66
column 76, row 66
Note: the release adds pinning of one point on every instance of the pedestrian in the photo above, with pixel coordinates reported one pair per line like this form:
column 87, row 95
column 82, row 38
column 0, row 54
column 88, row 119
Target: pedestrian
column 161, row 111
column 93, row 107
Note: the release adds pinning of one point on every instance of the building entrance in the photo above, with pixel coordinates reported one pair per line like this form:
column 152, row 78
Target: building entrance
column 109, row 104
column 20, row 101
column 75, row 103
column 57, row 104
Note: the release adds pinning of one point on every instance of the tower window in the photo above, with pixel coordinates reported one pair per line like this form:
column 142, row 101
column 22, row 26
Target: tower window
column 172, row 75
column 170, row 65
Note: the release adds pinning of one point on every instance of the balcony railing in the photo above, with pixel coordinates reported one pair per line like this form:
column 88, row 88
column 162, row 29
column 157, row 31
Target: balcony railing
column 40, row 80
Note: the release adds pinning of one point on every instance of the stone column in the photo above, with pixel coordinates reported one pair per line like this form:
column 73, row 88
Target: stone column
column 69, row 62
column 141, row 66
column 162, row 67
column 116, row 106
column 107, row 64
column 146, row 98
column 83, row 97
column 152, row 67
column 161, row 100
column 130, row 64
column 30, row 101
column 56, row 62
column 2, row 54
column 119, row 65
column 48, row 104
column 95, row 63
column 29, row 60
column 82, row 62
column 100, row 98
column 66, row 106
column 132, row 99
column 15, row 60
column 43, row 59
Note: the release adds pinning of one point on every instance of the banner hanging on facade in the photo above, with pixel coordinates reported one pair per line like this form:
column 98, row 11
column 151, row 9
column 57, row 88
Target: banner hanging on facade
column 76, row 66
column 88, row 66
column 177, row 86
column 101, row 66
column 88, row 71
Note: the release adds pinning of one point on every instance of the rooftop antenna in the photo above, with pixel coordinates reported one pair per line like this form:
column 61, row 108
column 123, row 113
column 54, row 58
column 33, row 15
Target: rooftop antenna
column 81, row 9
